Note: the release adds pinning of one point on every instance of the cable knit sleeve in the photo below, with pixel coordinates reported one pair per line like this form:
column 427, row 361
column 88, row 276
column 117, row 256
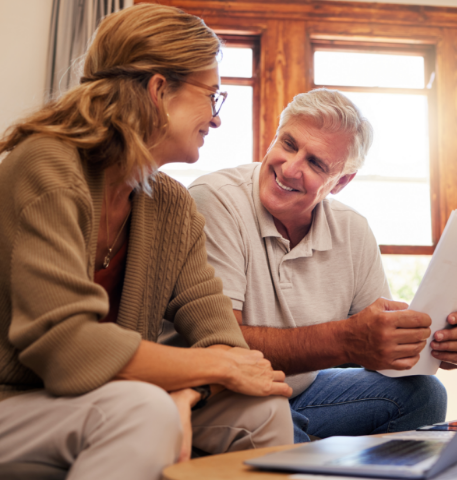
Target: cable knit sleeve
column 55, row 305
column 201, row 312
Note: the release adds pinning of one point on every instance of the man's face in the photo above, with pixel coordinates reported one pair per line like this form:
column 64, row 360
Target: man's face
column 302, row 166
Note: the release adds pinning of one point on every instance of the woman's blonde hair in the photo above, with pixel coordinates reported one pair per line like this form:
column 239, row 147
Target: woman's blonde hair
column 110, row 116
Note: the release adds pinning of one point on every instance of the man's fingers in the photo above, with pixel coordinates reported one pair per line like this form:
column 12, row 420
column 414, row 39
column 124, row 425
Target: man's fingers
column 405, row 363
column 448, row 357
column 404, row 336
column 448, row 366
column 409, row 350
column 446, row 335
column 409, row 319
column 392, row 305
column 444, row 346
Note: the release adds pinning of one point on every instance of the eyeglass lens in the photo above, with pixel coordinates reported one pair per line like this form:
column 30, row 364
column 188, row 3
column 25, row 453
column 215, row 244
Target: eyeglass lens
column 218, row 100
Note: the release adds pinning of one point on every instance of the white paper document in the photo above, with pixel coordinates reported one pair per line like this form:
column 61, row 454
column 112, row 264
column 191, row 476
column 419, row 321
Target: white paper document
column 436, row 296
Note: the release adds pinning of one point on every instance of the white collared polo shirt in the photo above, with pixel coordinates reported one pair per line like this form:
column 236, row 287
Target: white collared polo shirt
column 334, row 272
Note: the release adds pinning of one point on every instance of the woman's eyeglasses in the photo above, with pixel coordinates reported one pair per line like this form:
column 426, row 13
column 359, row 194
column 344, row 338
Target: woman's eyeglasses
column 217, row 98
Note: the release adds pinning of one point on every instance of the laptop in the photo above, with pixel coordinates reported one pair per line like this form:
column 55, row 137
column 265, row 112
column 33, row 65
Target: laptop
column 366, row 456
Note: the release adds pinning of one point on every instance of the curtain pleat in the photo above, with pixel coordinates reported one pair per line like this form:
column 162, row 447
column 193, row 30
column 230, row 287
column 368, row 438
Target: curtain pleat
column 73, row 24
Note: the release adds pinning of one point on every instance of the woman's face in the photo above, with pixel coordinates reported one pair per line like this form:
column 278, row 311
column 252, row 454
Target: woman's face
column 190, row 119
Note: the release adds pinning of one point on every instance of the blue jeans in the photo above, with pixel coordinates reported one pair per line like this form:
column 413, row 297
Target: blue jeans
column 355, row 401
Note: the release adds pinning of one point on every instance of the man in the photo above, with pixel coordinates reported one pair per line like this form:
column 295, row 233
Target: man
column 305, row 277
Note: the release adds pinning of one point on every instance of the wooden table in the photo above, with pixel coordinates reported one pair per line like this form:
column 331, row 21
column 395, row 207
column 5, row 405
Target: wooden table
column 228, row 466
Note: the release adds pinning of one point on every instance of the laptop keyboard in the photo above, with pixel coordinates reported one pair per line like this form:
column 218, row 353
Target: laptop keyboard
column 395, row 452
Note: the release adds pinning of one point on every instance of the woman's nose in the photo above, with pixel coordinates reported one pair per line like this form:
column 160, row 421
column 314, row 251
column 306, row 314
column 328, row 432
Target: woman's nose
column 215, row 122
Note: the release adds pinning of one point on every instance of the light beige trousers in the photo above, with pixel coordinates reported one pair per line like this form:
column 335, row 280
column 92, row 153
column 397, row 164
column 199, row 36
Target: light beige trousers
column 132, row 429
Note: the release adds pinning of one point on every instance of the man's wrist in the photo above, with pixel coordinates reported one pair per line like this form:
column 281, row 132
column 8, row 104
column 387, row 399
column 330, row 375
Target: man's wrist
column 340, row 337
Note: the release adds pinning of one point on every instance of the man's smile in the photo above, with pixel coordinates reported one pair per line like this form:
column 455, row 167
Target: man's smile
column 284, row 187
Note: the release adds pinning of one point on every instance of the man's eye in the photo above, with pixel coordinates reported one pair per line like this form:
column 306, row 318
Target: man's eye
column 315, row 164
column 288, row 144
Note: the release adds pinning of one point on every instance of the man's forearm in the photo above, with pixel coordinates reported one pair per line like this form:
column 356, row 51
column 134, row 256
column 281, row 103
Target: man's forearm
column 382, row 336
column 298, row 350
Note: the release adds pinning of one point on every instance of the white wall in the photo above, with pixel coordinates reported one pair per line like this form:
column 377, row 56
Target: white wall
column 24, row 34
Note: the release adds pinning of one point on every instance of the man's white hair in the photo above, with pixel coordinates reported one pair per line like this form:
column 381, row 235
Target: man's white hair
column 332, row 111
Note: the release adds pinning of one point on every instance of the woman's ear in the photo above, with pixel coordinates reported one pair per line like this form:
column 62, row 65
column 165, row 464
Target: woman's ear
column 156, row 88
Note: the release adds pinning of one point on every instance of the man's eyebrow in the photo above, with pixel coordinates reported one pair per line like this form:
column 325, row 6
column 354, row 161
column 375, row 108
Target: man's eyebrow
column 289, row 137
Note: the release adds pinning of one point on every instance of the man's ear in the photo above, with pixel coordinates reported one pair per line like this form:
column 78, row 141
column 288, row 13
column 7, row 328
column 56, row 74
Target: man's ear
column 156, row 87
column 342, row 182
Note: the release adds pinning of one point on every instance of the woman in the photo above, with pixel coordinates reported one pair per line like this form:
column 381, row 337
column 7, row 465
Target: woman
column 96, row 249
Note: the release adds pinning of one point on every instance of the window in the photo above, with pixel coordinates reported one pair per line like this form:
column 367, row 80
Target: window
column 393, row 86
column 233, row 143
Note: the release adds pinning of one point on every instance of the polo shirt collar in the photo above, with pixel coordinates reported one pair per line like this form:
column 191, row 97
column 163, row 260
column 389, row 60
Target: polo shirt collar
column 319, row 236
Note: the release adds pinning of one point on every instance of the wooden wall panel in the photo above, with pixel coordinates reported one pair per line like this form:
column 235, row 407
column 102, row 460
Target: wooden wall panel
column 447, row 122
column 283, row 65
column 355, row 12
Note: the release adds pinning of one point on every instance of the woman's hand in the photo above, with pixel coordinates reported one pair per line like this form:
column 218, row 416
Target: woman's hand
column 185, row 399
column 444, row 344
column 251, row 374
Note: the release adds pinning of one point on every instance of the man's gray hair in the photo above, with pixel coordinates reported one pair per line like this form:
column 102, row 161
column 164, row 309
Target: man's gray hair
column 332, row 111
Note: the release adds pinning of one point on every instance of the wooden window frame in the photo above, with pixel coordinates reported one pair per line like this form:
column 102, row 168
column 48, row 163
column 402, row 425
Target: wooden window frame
column 247, row 41
column 428, row 53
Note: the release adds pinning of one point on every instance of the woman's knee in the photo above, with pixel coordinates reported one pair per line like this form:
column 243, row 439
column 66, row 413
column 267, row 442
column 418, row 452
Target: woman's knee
column 141, row 406
column 276, row 422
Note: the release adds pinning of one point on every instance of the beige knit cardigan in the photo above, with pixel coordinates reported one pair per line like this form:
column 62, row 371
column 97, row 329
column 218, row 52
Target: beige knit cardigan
column 50, row 203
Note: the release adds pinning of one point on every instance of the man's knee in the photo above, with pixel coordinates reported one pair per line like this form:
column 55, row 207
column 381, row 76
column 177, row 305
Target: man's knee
column 432, row 395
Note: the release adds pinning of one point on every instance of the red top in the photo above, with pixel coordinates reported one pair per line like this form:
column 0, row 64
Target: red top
column 112, row 280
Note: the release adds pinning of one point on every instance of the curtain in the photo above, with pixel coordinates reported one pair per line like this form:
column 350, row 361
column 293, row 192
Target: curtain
column 73, row 23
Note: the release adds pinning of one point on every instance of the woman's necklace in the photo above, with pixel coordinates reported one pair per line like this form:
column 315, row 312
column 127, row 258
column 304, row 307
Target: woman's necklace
column 110, row 249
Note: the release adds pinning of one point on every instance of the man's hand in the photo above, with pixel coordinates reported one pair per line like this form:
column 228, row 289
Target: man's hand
column 386, row 336
column 444, row 344
column 185, row 399
column 251, row 374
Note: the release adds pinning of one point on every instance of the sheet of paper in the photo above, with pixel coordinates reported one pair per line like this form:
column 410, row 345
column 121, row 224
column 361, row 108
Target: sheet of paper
column 436, row 295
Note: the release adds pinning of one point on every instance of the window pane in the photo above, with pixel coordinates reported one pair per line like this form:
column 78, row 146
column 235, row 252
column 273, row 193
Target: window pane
column 404, row 273
column 392, row 189
column 368, row 70
column 236, row 62
column 398, row 212
column 227, row 146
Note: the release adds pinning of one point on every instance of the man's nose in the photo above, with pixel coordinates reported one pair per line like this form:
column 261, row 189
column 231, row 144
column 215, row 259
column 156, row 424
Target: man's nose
column 293, row 168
